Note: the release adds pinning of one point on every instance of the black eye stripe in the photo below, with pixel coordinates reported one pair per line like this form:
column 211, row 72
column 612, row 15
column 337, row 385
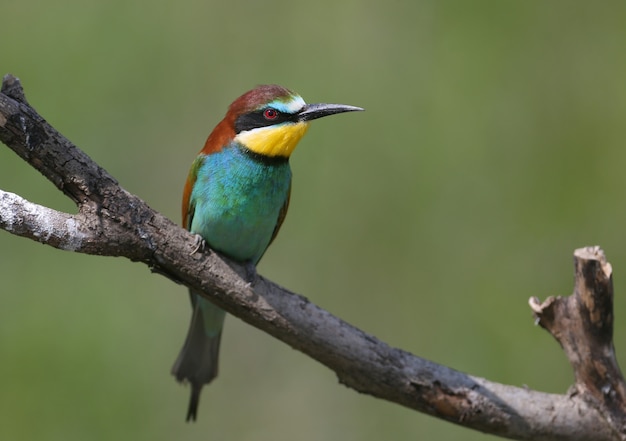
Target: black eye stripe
column 254, row 120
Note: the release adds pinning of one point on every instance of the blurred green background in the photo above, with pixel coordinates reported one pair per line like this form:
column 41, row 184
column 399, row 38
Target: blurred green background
column 492, row 147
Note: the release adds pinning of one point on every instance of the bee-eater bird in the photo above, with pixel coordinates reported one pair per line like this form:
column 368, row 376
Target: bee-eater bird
column 236, row 199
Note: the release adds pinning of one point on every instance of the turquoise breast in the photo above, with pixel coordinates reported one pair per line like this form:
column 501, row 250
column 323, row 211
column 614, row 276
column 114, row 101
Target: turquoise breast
column 238, row 198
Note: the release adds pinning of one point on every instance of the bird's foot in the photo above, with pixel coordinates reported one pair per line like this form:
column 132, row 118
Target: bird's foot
column 200, row 244
column 250, row 272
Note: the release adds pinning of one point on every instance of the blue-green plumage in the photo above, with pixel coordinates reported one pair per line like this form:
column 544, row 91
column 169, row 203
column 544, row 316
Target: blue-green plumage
column 235, row 205
column 238, row 199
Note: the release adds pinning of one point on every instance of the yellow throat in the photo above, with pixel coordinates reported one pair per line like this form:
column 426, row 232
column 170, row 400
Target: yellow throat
column 278, row 140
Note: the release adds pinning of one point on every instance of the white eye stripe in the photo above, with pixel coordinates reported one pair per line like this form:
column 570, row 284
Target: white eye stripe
column 295, row 104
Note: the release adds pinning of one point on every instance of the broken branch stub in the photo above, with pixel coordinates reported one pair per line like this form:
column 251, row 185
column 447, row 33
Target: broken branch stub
column 582, row 323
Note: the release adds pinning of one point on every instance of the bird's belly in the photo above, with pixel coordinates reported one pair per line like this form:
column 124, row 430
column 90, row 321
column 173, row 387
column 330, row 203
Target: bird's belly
column 242, row 232
column 237, row 208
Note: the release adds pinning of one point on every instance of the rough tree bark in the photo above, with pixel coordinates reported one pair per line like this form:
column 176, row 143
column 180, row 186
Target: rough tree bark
column 110, row 221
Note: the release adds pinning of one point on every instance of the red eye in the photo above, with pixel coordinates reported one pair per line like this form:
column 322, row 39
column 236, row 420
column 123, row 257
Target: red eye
column 270, row 114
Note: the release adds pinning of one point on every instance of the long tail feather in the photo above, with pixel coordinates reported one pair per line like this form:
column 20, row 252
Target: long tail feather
column 197, row 362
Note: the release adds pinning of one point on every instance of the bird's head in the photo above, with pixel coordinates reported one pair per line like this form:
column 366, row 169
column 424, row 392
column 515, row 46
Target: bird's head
column 269, row 120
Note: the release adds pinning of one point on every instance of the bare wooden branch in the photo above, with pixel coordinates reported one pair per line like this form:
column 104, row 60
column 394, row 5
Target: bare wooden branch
column 36, row 222
column 111, row 221
column 583, row 325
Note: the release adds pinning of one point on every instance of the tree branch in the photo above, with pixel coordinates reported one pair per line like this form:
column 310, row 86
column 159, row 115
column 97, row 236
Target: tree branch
column 110, row 221
column 583, row 325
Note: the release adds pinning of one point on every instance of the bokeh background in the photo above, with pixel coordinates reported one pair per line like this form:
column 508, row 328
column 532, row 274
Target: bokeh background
column 491, row 148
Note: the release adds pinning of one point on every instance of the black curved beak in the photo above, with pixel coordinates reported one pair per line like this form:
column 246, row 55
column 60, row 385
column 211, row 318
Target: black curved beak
column 320, row 110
